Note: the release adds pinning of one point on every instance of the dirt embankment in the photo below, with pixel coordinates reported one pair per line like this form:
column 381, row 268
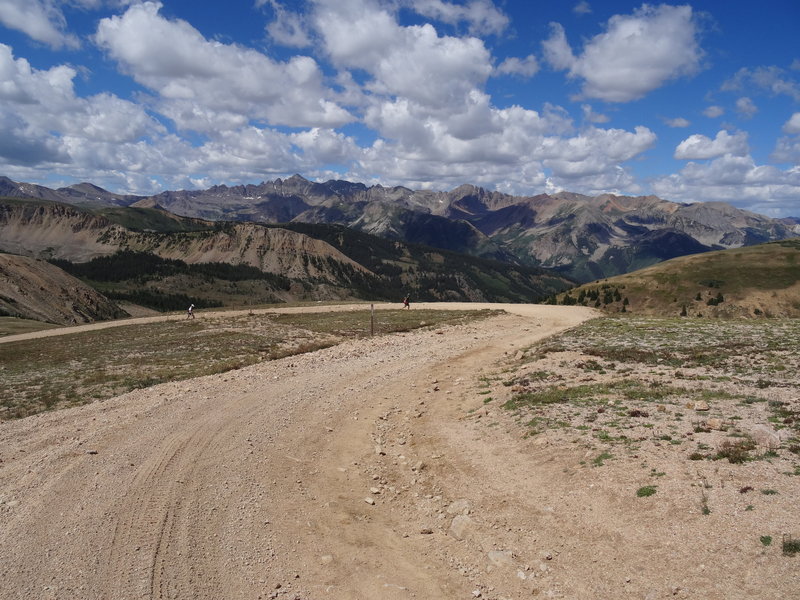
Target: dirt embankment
column 360, row 471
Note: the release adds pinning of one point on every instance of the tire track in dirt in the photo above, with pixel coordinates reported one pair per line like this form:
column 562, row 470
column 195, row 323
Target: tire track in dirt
column 147, row 515
column 156, row 523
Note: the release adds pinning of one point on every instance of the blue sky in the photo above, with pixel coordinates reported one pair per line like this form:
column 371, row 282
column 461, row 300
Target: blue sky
column 691, row 102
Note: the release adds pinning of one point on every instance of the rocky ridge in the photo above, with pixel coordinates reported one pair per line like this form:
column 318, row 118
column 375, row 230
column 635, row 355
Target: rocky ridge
column 584, row 237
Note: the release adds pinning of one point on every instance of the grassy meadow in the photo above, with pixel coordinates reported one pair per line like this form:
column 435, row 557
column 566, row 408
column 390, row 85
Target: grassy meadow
column 74, row 369
column 704, row 386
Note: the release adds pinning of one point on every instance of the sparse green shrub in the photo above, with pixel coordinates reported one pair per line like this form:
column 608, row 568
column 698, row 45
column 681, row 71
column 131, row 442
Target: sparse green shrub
column 766, row 540
column 645, row 491
column 599, row 460
column 790, row 546
column 736, row 452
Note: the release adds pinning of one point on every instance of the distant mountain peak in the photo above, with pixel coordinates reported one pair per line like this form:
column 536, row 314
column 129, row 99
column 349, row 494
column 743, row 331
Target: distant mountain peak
column 148, row 203
column 87, row 186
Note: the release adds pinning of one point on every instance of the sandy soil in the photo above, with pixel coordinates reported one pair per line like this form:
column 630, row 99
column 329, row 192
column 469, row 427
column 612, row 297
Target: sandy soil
column 360, row 471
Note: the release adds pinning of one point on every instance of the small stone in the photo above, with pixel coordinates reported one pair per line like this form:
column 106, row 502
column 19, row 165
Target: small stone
column 714, row 423
column 701, row 405
column 379, row 451
column 763, row 435
column 369, row 501
column 476, row 593
column 460, row 506
column 374, row 490
column 661, row 408
column 501, row 558
column 460, row 527
column 426, row 531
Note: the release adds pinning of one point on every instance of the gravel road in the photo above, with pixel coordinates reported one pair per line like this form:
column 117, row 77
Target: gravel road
column 327, row 475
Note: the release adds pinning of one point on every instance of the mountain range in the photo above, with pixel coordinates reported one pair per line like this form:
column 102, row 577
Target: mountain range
column 582, row 237
column 151, row 257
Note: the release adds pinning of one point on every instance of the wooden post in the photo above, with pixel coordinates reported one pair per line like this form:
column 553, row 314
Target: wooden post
column 372, row 320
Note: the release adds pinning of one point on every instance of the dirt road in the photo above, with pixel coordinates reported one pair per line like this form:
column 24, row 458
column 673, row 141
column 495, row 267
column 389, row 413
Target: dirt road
column 326, row 475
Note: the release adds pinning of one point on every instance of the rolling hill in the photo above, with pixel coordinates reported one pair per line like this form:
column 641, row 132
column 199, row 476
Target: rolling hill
column 755, row 281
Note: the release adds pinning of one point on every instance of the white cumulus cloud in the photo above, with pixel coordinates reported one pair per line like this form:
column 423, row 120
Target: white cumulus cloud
column 635, row 55
column 793, row 124
column 523, row 67
column 409, row 62
column 582, row 8
column 787, row 148
column 770, row 79
column 41, row 20
column 737, row 180
column 287, row 28
column 677, row 122
column 180, row 65
column 481, row 16
column 746, row 107
column 701, row 147
column 40, row 108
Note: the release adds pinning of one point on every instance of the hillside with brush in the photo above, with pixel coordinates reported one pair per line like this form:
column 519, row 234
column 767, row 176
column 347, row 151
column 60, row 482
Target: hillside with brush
column 36, row 290
column 755, row 281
